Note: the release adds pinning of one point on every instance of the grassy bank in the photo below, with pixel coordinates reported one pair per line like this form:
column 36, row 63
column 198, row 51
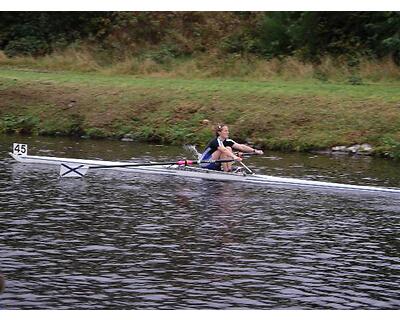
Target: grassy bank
column 213, row 65
column 288, row 115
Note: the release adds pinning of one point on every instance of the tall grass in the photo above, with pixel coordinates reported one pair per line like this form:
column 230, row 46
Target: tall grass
column 70, row 60
column 384, row 69
column 211, row 65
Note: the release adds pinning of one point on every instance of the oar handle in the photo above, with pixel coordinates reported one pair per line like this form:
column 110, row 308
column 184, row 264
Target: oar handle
column 216, row 161
column 180, row 163
column 190, row 162
column 247, row 153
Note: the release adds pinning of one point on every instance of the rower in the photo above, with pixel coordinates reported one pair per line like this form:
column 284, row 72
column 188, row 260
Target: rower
column 221, row 148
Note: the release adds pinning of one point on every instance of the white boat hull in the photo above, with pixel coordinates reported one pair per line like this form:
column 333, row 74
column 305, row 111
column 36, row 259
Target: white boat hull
column 202, row 173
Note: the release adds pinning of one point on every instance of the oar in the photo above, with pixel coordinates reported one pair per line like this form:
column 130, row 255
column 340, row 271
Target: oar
column 146, row 164
column 246, row 167
column 247, row 153
column 73, row 170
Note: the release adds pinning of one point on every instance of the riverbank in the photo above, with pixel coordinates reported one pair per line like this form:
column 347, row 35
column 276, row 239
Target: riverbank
column 281, row 115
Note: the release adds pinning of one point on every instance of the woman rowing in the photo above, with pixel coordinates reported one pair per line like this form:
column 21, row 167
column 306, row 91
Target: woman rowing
column 221, row 148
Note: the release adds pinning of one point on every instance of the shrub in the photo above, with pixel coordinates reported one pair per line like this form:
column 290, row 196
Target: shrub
column 355, row 80
column 392, row 147
column 26, row 46
column 165, row 54
column 96, row 133
column 239, row 43
column 15, row 124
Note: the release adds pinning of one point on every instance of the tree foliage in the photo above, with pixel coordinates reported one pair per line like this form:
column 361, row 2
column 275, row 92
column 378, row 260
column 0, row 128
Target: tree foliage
column 314, row 34
column 309, row 35
column 38, row 33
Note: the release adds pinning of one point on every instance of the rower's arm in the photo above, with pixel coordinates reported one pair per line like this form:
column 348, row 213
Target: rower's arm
column 244, row 148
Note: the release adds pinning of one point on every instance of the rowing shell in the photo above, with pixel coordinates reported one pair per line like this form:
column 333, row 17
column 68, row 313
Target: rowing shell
column 193, row 172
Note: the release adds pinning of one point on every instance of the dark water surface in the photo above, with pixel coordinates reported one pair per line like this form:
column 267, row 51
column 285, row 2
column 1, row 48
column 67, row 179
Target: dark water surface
column 117, row 241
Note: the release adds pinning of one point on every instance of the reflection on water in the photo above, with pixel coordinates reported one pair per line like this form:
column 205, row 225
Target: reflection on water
column 117, row 241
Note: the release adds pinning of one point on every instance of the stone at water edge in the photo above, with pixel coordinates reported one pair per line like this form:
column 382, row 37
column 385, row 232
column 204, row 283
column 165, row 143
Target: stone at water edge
column 339, row 149
column 366, row 148
column 354, row 148
column 127, row 137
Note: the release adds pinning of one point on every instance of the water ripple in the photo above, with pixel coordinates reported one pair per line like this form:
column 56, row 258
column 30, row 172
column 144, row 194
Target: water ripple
column 117, row 242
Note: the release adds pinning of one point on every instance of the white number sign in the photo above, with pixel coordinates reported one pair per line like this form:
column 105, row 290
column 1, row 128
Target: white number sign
column 20, row 149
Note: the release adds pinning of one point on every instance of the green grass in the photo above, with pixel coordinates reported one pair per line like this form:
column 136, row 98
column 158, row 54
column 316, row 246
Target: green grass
column 276, row 114
column 386, row 91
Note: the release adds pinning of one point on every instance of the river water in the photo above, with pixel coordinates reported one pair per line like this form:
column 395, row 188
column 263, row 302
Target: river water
column 117, row 241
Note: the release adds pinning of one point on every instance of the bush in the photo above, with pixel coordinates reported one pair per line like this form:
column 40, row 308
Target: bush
column 96, row 133
column 392, row 148
column 355, row 80
column 15, row 124
column 320, row 75
column 239, row 43
column 273, row 36
column 26, row 46
column 164, row 55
